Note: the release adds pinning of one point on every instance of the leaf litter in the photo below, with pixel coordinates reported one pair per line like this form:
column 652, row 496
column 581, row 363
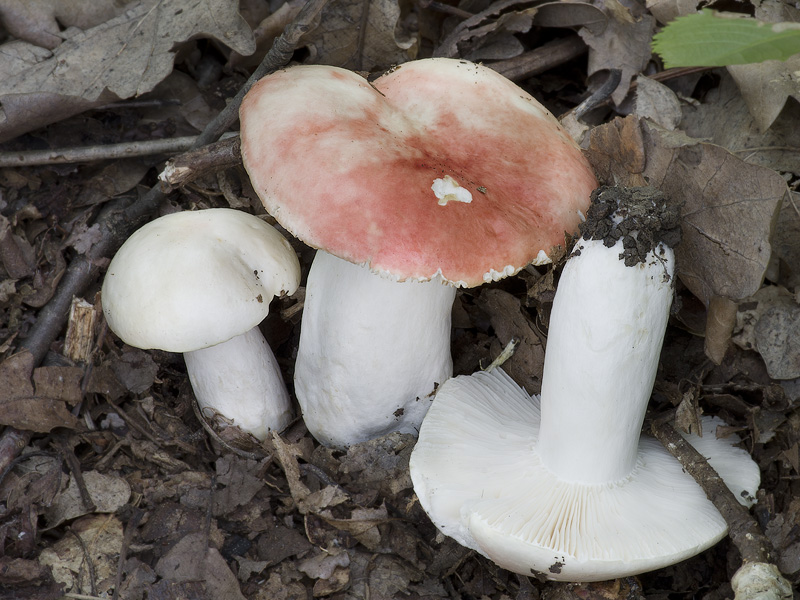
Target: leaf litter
column 118, row 489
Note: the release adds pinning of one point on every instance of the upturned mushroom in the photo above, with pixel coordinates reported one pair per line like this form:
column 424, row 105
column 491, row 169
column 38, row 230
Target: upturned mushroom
column 439, row 174
column 564, row 487
column 200, row 282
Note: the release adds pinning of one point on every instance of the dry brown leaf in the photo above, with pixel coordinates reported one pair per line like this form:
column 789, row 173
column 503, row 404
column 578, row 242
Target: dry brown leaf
column 135, row 369
column 729, row 211
column 280, row 542
column 265, row 33
column 100, row 537
column 767, row 86
column 571, row 14
column 16, row 254
column 121, row 58
column 240, row 483
column 623, row 45
column 657, row 102
column 108, row 492
column 509, row 322
column 786, row 246
column 282, row 585
column 667, row 10
column 474, row 37
column 376, row 45
column 322, row 564
column 40, row 22
column 723, row 118
column 720, row 321
column 17, row 571
column 192, row 559
column 20, row 407
column 59, row 383
column 362, row 524
column 379, row 465
column 769, row 322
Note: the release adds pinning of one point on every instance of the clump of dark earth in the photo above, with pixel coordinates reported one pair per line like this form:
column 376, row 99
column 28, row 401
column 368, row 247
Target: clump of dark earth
column 642, row 217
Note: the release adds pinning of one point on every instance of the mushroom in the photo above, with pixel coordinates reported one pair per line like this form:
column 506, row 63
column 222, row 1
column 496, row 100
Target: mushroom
column 564, row 487
column 439, row 174
column 200, row 282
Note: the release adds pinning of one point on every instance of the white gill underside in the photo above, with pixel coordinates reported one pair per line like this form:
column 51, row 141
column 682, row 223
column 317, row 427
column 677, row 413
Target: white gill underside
column 477, row 474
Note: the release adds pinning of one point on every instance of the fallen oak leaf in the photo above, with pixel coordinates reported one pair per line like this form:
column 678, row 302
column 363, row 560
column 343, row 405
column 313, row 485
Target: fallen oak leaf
column 21, row 407
column 375, row 43
column 729, row 206
column 121, row 58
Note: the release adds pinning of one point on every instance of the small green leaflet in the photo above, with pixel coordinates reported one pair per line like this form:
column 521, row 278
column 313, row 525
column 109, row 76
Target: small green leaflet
column 709, row 39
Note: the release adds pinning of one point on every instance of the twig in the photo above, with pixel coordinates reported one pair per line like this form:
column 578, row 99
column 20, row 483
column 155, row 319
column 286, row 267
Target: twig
column 75, row 468
column 29, row 158
column 89, row 562
column 601, row 95
column 507, row 353
column 127, row 537
column 758, row 577
column 188, row 166
column 541, row 59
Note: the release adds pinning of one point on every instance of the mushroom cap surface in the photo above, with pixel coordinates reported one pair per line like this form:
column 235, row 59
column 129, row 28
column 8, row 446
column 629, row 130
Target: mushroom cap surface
column 349, row 167
column 477, row 474
column 194, row 279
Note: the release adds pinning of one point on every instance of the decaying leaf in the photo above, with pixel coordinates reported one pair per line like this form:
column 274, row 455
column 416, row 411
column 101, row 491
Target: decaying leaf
column 108, row 492
column 623, row 45
column 120, row 58
column 193, row 560
column 40, row 22
column 657, row 102
column 729, row 210
column 25, row 409
column 787, row 241
column 769, row 322
column 724, row 118
column 767, row 86
column 99, row 536
column 510, row 322
column 488, row 34
column 377, row 43
column 362, row 524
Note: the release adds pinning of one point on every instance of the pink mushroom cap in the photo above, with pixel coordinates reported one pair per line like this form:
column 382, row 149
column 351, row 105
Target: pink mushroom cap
column 347, row 167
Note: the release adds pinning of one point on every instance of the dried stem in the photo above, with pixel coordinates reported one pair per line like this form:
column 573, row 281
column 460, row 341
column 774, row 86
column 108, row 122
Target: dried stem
column 30, row 158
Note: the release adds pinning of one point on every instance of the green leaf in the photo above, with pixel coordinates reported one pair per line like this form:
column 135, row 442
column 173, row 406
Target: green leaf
column 710, row 39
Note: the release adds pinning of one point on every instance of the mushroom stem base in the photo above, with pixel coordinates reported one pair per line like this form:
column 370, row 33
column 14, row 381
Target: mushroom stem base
column 240, row 379
column 371, row 351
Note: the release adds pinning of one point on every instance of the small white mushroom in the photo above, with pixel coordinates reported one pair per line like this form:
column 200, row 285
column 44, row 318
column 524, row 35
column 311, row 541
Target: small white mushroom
column 200, row 282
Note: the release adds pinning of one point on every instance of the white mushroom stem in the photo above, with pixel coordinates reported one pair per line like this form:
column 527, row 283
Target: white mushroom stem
column 241, row 380
column 606, row 331
column 371, row 351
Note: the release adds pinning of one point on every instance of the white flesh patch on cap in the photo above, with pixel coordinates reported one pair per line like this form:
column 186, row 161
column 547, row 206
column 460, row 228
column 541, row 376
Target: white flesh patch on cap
column 447, row 190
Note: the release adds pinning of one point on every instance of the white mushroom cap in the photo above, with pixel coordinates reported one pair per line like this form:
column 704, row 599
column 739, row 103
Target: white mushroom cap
column 194, row 279
column 478, row 476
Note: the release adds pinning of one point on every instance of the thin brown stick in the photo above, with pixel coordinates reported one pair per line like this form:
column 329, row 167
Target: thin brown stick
column 127, row 537
column 75, row 468
column 29, row 158
column 743, row 529
column 541, row 59
column 188, row 166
